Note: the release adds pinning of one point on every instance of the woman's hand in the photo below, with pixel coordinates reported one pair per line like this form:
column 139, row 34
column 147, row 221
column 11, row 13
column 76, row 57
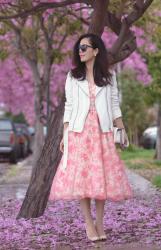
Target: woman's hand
column 66, row 124
column 124, row 138
column 62, row 145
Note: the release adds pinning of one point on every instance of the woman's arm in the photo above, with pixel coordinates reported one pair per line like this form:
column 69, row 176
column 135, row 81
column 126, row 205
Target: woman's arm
column 116, row 111
column 68, row 102
column 67, row 107
column 66, row 124
column 62, row 140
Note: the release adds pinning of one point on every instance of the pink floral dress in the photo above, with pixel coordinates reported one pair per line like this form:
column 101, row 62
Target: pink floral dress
column 94, row 168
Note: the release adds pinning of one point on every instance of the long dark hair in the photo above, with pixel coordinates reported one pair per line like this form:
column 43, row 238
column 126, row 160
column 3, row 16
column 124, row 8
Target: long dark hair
column 101, row 72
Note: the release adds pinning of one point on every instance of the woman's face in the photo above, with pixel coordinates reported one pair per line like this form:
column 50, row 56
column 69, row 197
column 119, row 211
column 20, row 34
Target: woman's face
column 89, row 54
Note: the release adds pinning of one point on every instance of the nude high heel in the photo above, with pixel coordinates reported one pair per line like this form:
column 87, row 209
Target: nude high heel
column 102, row 236
column 94, row 238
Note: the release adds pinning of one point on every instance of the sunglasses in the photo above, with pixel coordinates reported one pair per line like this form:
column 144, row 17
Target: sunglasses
column 84, row 47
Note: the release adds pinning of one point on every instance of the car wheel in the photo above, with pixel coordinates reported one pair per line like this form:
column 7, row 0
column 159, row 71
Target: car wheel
column 13, row 157
column 23, row 154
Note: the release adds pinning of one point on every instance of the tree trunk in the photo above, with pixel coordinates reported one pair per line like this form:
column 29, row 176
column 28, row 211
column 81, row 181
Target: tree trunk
column 130, row 135
column 39, row 134
column 158, row 144
column 38, row 191
column 136, row 139
column 41, row 88
column 38, row 107
column 38, row 141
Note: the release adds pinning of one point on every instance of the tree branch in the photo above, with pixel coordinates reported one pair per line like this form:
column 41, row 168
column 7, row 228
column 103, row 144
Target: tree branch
column 78, row 17
column 138, row 10
column 45, row 32
column 126, row 41
column 98, row 16
column 113, row 22
column 125, row 51
column 43, row 7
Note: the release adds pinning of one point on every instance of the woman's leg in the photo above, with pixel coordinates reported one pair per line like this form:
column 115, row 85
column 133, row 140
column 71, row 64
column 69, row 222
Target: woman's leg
column 86, row 210
column 99, row 216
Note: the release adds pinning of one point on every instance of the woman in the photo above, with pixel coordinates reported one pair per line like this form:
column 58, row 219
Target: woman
column 90, row 167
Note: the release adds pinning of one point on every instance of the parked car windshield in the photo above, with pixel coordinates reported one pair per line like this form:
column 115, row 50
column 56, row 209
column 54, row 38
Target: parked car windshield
column 5, row 125
column 21, row 127
column 18, row 128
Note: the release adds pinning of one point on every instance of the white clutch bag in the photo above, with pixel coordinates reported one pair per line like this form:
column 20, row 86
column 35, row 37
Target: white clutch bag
column 118, row 137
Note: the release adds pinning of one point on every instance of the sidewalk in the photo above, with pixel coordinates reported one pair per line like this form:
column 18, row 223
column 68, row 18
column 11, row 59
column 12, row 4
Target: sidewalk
column 132, row 224
column 14, row 183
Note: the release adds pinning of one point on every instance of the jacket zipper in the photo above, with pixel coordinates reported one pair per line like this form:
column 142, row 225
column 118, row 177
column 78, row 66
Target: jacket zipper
column 77, row 108
column 107, row 109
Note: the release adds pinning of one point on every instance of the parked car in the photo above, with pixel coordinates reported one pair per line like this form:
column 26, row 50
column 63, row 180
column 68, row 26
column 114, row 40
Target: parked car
column 24, row 139
column 9, row 144
column 149, row 138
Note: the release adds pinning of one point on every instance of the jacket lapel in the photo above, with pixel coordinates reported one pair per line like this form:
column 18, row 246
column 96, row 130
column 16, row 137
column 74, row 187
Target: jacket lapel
column 98, row 89
column 84, row 86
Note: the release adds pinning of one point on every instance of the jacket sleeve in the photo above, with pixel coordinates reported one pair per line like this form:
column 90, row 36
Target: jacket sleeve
column 68, row 96
column 116, row 111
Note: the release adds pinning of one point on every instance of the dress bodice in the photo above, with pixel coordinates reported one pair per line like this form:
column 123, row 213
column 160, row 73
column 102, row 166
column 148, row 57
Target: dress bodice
column 92, row 95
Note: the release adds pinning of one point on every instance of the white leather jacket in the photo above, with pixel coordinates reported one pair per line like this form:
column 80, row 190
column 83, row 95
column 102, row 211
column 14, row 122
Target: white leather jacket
column 78, row 102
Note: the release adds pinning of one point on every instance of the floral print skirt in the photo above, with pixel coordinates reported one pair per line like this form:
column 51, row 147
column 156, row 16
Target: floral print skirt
column 94, row 168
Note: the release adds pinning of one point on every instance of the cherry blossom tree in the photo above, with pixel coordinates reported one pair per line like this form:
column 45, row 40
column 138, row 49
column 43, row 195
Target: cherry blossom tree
column 32, row 37
column 118, row 16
